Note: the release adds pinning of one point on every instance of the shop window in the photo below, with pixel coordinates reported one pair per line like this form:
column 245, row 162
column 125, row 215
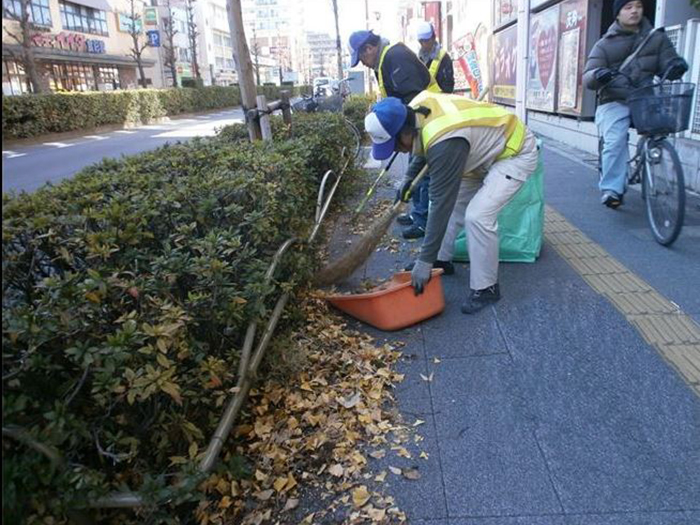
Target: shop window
column 107, row 78
column 76, row 17
column 39, row 11
column 72, row 77
column 14, row 78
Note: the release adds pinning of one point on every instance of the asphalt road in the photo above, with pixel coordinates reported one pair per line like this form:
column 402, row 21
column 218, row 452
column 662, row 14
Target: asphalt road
column 26, row 168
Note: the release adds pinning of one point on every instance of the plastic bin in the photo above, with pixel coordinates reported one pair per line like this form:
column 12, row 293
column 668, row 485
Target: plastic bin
column 394, row 305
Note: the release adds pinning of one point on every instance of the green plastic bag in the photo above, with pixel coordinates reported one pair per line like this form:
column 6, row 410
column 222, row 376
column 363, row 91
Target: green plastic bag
column 520, row 223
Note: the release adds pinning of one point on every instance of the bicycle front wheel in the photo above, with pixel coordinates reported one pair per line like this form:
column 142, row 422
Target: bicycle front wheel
column 664, row 189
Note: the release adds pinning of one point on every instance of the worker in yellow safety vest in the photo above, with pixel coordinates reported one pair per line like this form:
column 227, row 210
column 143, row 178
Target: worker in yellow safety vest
column 478, row 156
column 436, row 59
column 399, row 72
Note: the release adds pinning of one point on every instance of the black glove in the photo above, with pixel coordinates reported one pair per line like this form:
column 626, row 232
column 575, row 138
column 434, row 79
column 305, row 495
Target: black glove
column 604, row 75
column 404, row 193
column 676, row 69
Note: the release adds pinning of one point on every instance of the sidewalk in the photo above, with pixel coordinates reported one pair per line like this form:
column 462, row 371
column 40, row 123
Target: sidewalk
column 575, row 400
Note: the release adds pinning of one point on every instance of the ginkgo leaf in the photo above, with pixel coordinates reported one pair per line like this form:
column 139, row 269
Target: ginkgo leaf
column 395, row 470
column 427, row 378
column 337, row 470
column 380, row 477
column 360, row 496
column 418, row 422
column 411, row 473
column 350, row 402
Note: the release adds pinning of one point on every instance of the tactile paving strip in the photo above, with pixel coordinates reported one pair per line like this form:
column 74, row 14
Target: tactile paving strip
column 662, row 323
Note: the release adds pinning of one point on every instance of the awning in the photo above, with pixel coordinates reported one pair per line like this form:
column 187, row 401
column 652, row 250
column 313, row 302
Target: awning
column 62, row 55
column 102, row 5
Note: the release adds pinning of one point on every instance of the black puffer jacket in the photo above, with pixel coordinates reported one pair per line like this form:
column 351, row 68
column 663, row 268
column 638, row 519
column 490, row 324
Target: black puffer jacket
column 612, row 50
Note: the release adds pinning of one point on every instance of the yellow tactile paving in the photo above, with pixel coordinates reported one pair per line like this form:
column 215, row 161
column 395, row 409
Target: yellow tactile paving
column 661, row 322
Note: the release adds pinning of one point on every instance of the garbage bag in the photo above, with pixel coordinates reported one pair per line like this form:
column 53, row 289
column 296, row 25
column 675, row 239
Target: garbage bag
column 520, row 223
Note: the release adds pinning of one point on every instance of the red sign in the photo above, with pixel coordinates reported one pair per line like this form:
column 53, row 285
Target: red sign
column 432, row 14
column 69, row 41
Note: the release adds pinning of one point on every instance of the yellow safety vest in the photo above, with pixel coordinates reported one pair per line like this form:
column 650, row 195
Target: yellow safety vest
column 382, row 89
column 451, row 112
column 433, row 69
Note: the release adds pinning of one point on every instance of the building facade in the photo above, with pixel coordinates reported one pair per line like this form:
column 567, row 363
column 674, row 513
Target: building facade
column 79, row 45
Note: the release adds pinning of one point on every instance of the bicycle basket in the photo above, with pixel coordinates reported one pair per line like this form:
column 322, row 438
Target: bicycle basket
column 662, row 109
column 305, row 105
column 334, row 103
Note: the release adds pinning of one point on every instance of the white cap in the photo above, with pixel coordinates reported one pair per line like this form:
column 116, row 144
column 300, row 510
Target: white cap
column 424, row 31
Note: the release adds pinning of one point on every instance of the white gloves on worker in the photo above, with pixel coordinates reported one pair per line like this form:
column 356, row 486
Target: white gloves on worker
column 420, row 275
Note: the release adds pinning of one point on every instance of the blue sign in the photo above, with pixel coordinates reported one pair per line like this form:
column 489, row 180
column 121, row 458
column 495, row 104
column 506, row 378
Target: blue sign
column 95, row 46
column 153, row 38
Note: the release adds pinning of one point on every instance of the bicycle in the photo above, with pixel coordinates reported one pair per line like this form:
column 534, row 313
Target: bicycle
column 657, row 111
column 322, row 102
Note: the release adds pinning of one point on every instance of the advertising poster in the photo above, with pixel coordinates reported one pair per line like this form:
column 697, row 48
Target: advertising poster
column 505, row 54
column 505, row 11
column 469, row 61
column 572, row 55
column 542, row 66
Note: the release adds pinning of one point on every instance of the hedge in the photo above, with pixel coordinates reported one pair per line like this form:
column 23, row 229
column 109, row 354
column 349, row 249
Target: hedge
column 127, row 291
column 31, row 115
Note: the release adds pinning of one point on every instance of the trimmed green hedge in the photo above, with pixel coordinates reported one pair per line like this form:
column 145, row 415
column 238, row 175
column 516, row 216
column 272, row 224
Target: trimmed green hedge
column 31, row 115
column 127, row 291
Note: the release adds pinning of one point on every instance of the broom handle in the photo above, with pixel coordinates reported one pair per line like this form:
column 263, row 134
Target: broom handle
column 376, row 181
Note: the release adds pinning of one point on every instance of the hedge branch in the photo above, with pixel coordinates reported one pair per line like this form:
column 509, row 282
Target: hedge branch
column 22, row 436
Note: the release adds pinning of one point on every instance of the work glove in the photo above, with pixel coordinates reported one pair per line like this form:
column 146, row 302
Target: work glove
column 420, row 275
column 404, row 192
column 604, row 75
column 676, row 69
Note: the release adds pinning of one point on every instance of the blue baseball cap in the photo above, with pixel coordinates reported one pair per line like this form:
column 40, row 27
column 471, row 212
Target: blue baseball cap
column 383, row 125
column 357, row 40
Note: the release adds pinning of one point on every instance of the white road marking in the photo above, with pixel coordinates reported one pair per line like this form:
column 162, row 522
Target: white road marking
column 58, row 144
column 205, row 129
column 12, row 154
column 125, row 132
column 96, row 137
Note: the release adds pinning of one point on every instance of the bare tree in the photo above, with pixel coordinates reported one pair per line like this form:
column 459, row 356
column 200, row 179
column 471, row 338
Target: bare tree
column 170, row 56
column 192, row 33
column 338, row 47
column 24, row 38
column 256, row 57
column 138, row 42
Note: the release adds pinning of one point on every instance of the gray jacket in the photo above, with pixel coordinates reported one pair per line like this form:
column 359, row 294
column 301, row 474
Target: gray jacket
column 612, row 50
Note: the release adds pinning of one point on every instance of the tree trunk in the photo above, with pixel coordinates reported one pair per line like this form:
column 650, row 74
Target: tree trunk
column 338, row 48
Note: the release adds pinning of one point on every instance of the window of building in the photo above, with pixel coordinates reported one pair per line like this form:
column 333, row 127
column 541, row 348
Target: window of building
column 223, row 50
column 14, row 78
column 76, row 17
column 184, row 54
column 72, row 77
column 107, row 78
column 39, row 11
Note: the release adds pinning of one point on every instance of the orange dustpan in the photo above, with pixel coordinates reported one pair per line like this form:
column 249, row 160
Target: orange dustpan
column 394, row 305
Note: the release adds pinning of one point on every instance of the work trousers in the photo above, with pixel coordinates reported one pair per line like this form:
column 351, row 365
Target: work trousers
column 479, row 201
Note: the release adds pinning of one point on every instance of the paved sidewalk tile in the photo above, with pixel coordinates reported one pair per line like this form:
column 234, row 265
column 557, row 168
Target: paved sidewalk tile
column 491, row 461
column 519, row 520
column 422, row 498
column 637, row 518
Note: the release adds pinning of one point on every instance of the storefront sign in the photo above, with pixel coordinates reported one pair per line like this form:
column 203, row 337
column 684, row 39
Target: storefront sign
column 505, row 11
column 542, row 65
column 69, row 42
column 150, row 16
column 505, row 65
column 153, row 38
column 572, row 55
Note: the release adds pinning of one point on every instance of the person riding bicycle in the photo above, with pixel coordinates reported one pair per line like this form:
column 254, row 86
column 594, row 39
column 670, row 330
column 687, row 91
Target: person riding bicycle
column 439, row 65
column 607, row 73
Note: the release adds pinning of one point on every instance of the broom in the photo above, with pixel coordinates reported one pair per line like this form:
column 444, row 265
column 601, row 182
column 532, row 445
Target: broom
column 343, row 267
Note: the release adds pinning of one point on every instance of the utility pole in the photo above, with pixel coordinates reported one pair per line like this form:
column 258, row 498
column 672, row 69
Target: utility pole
column 244, row 67
column 338, row 47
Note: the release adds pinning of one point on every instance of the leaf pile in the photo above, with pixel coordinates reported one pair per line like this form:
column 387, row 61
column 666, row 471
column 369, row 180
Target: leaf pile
column 309, row 439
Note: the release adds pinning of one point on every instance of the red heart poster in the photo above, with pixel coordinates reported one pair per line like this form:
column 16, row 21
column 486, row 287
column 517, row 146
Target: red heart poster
column 542, row 68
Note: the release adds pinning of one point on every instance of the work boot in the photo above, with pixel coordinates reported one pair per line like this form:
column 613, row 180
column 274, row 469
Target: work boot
column 414, row 232
column 611, row 199
column 405, row 219
column 447, row 267
column 479, row 299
